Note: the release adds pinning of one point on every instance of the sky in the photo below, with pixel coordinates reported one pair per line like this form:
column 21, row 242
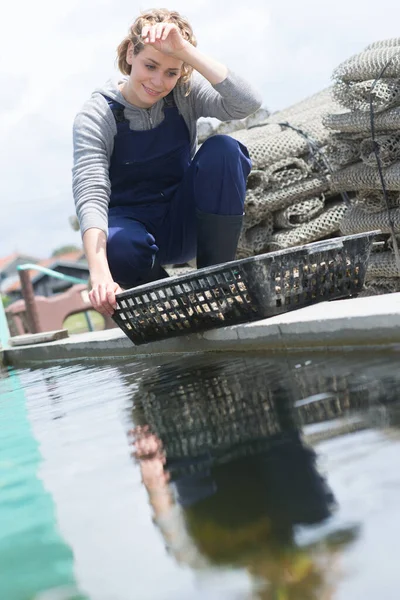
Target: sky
column 54, row 54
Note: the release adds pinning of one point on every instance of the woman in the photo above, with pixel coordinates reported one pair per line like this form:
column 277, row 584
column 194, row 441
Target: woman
column 143, row 196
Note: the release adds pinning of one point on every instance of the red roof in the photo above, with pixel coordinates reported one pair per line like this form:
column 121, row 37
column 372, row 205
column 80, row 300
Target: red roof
column 6, row 260
column 67, row 257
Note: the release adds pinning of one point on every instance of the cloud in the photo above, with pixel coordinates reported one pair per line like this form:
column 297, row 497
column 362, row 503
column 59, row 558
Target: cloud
column 39, row 225
column 12, row 88
column 52, row 55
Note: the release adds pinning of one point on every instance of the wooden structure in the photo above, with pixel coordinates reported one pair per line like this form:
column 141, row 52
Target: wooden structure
column 49, row 314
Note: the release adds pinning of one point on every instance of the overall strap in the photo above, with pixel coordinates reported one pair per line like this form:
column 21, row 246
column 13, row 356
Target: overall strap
column 117, row 109
column 169, row 100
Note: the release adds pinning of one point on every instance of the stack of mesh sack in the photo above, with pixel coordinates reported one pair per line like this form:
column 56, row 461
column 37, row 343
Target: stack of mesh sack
column 289, row 200
column 368, row 86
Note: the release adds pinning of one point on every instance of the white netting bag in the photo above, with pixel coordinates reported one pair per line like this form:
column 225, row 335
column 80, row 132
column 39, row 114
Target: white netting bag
column 363, row 177
column 356, row 95
column 324, row 225
column 284, row 197
column 260, row 203
column 386, row 146
column 286, row 172
column 383, row 44
column 299, row 213
column 257, row 179
column 369, row 65
column 373, row 201
column 255, row 209
column 243, row 250
column 358, row 220
column 255, row 240
column 382, row 264
column 289, row 168
column 310, row 107
column 381, row 285
column 360, row 122
column 265, row 150
column 341, row 152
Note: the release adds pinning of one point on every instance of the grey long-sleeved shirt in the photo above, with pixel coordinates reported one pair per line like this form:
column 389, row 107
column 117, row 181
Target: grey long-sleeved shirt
column 95, row 128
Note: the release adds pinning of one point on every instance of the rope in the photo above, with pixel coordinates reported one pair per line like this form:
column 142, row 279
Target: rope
column 314, row 148
column 379, row 165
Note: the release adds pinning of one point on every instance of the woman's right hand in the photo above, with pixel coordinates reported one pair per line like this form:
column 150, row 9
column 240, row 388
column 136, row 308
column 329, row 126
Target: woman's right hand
column 164, row 37
column 102, row 296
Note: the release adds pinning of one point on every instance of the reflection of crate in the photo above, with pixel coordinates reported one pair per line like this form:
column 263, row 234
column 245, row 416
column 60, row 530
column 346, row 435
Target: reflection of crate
column 215, row 411
column 245, row 290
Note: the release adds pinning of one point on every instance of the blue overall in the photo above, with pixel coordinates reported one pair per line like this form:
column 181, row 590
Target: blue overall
column 156, row 189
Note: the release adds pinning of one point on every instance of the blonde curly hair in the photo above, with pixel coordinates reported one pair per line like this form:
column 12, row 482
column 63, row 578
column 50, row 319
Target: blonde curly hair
column 152, row 17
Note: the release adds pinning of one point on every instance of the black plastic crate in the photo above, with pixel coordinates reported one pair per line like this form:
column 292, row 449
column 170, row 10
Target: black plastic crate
column 245, row 290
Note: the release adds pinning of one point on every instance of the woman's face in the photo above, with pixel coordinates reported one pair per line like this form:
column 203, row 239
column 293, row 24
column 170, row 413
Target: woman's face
column 153, row 75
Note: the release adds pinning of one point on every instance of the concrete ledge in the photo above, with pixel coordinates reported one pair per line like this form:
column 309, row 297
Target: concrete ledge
column 358, row 322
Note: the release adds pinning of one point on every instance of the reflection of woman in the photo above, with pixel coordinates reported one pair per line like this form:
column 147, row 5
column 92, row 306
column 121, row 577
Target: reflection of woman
column 144, row 197
column 241, row 513
column 239, row 503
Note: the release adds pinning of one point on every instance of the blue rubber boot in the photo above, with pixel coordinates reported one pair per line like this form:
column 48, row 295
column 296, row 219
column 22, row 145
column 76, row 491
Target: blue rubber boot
column 217, row 238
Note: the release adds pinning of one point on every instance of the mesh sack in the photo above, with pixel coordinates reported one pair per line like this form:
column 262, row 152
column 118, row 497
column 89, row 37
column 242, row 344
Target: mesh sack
column 259, row 204
column 272, row 141
column 243, row 249
column 317, row 161
column 256, row 240
column 363, row 177
column 303, row 190
column 286, row 172
column 386, row 146
column 326, row 224
column 384, row 44
column 257, row 179
column 382, row 264
column 257, row 134
column 356, row 95
column 356, row 136
column 373, row 201
column 265, row 149
column 381, row 285
column 357, row 220
column 255, row 209
column 310, row 108
column 299, row 213
column 360, row 122
column 342, row 152
column 369, row 65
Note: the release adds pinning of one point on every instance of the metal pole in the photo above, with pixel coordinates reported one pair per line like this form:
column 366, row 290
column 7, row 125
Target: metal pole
column 89, row 321
column 30, row 304
column 4, row 331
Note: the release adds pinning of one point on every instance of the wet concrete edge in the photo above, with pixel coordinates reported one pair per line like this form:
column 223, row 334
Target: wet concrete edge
column 359, row 322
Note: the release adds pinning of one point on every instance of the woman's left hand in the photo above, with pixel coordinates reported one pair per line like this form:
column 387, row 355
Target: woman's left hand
column 164, row 37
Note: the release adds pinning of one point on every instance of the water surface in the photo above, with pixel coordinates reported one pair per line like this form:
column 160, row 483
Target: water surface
column 207, row 477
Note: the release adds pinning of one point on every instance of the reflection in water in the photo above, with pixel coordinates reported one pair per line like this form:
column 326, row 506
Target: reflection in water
column 223, row 453
column 225, row 446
